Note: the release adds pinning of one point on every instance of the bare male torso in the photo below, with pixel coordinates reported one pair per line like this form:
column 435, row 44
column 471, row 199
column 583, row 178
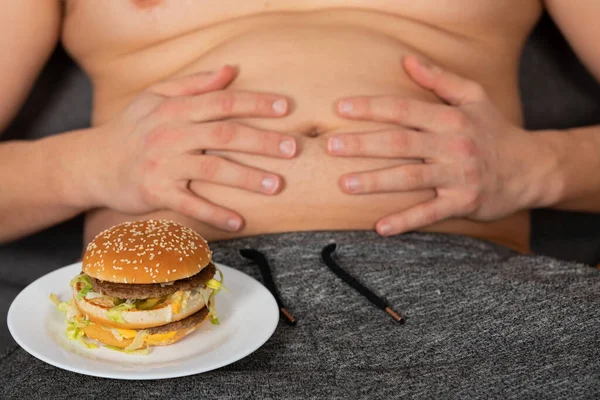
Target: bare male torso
column 314, row 52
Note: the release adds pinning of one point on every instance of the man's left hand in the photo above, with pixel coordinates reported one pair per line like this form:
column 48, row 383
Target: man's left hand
column 480, row 165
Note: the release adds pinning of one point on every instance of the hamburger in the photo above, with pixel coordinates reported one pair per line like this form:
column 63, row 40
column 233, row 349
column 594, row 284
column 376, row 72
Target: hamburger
column 142, row 284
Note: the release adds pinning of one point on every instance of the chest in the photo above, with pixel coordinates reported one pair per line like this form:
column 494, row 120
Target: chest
column 139, row 23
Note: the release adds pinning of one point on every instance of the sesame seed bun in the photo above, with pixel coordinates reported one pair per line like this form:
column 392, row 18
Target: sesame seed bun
column 146, row 252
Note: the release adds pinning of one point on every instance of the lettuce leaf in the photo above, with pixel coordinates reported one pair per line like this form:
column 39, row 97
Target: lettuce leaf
column 138, row 341
column 115, row 313
column 143, row 352
column 85, row 287
column 76, row 323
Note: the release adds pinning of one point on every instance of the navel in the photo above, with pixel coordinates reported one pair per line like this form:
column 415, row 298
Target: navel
column 313, row 133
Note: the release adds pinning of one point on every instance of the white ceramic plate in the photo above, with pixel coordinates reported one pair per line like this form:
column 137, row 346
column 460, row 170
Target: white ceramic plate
column 248, row 317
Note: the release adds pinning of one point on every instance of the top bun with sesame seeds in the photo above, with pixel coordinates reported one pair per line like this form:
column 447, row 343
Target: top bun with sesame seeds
column 146, row 252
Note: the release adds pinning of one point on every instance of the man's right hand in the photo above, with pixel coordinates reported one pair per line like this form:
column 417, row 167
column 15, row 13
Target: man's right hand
column 144, row 160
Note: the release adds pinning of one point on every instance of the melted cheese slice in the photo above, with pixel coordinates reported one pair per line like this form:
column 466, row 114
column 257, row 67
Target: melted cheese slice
column 160, row 337
column 151, row 339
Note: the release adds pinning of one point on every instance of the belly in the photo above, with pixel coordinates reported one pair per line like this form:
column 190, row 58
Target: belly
column 313, row 65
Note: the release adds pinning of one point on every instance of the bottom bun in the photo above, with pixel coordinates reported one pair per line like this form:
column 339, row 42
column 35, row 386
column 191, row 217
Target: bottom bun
column 123, row 338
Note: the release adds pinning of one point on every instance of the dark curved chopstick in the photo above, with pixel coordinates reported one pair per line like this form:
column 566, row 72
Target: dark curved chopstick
column 265, row 271
column 326, row 254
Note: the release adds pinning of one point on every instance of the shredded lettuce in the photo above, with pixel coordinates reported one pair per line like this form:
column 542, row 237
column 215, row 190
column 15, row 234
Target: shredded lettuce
column 213, row 284
column 143, row 352
column 61, row 305
column 85, row 287
column 216, row 287
column 76, row 323
column 115, row 313
column 210, row 304
column 93, row 295
column 116, row 334
column 138, row 341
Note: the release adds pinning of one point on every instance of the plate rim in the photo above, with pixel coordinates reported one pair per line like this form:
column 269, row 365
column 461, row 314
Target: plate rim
column 143, row 375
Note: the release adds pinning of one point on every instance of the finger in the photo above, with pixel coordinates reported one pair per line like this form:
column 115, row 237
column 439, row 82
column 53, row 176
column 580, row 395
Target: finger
column 394, row 109
column 402, row 178
column 234, row 136
column 215, row 169
column 222, row 104
column 195, row 207
column 450, row 87
column 391, row 143
column 416, row 217
column 195, row 84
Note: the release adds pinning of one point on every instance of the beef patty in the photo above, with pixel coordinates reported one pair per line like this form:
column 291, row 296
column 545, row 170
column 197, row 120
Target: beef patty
column 185, row 323
column 152, row 290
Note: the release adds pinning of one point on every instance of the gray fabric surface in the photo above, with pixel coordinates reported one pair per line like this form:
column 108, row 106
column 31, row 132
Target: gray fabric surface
column 482, row 322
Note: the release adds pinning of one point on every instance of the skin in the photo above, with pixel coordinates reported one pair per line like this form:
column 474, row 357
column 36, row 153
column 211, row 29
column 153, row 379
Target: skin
column 464, row 126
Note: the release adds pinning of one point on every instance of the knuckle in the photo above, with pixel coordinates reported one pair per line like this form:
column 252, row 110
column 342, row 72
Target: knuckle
column 270, row 142
column 248, row 178
column 465, row 146
column 224, row 132
column 224, row 101
column 354, row 144
column 169, row 108
column 209, row 167
column 370, row 182
column 415, row 177
column 399, row 141
column 472, row 174
column 151, row 165
column 401, row 108
column 455, row 119
column 187, row 206
column 159, row 136
column 262, row 104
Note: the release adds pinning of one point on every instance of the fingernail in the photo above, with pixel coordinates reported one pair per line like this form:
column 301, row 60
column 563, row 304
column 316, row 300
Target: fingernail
column 269, row 184
column 280, row 106
column 346, row 106
column 336, row 145
column 385, row 229
column 352, row 184
column 234, row 224
column 287, row 147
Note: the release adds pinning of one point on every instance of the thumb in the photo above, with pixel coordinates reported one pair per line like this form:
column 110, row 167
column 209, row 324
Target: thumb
column 195, row 84
column 450, row 87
